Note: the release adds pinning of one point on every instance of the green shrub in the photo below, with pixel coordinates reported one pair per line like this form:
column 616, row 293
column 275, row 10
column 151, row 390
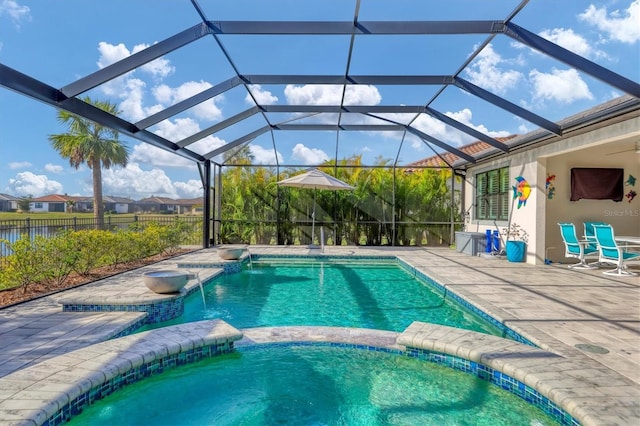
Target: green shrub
column 93, row 247
column 174, row 234
column 27, row 262
column 60, row 257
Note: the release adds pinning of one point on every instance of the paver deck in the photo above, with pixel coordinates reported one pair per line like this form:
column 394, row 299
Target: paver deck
column 590, row 320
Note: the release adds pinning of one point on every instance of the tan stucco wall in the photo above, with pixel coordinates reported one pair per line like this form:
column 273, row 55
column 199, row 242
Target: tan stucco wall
column 608, row 146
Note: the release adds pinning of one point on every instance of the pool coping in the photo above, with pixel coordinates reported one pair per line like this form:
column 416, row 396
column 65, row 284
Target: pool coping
column 50, row 392
column 608, row 390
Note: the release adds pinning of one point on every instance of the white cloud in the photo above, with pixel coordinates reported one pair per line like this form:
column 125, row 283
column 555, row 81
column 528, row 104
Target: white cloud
column 181, row 128
column 174, row 131
column 264, row 156
column 148, row 154
column 178, row 129
column 308, row 156
column 133, row 91
column 524, row 129
column 19, row 165
column 207, row 110
column 190, row 189
column 27, row 183
column 618, row 26
column 109, row 53
column 465, row 116
column 573, row 42
column 15, row 11
column 563, row 86
column 159, row 68
column 136, row 183
column 448, row 134
column 53, row 168
column 206, row 145
column 327, row 94
column 486, row 71
column 263, row 97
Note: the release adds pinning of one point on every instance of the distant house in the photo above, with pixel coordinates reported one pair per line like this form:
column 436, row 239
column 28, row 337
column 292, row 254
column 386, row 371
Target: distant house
column 83, row 205
column 111, row 204
column 161, row 205
column 8, row 203
column 52, row 203
column 118, row 205
column 164, row 205
column 191, row 205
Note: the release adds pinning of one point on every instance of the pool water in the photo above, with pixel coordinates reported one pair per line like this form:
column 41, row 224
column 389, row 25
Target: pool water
column 312, row 385
column 285, row 292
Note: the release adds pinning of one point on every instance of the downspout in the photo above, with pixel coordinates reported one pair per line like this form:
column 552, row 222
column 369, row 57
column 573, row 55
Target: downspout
column 206, row 220
column 393, row 216
column 453, row 192
column 217, row 202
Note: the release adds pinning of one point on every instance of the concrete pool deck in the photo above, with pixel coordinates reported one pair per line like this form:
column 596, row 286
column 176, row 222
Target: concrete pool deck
column 553, row 306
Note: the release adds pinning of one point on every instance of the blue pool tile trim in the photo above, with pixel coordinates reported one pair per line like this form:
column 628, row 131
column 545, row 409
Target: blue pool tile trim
column 156, row 311
column 228, row 267
column 507, row 332
column 497, row 378
column 527, row 393
column 167, row 310
column 319, row 257
column 156, row 366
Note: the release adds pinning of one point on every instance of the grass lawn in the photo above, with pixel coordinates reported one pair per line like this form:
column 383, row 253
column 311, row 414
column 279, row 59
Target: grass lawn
column 54, row 215
column 46, row 215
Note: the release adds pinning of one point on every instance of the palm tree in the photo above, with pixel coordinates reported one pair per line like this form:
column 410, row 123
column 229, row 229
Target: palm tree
column 90, row 143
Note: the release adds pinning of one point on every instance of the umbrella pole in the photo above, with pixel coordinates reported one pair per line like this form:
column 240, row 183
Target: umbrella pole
column 313, row 218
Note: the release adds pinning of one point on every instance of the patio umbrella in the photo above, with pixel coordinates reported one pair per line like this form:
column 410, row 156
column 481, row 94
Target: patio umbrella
column 315, row 179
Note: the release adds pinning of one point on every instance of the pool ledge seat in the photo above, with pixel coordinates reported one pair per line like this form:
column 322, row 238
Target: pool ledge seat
column 562, row 381
column 53, row 390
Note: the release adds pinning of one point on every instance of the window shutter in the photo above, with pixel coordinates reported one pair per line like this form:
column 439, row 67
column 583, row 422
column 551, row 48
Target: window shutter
column 504, row 193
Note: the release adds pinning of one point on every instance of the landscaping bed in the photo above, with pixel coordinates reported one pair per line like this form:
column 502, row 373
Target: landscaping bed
column 12, row 296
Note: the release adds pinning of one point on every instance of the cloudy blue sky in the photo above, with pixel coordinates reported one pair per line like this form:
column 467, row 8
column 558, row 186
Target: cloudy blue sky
column 59, row 42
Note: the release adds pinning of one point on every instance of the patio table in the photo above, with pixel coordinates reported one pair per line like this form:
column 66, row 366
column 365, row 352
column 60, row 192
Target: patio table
column 628, row 239
column 629, row 242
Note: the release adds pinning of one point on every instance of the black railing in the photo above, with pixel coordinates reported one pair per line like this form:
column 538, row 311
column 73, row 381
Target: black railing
column 13, row 230
column 373, row 233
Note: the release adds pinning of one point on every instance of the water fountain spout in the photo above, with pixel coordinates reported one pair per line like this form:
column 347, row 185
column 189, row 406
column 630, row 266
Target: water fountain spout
column 250, row 262
column 197, row 276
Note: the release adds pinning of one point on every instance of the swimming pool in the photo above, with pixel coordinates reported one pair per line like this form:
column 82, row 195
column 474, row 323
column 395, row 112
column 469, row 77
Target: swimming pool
column 332, row 385
column 328, row 292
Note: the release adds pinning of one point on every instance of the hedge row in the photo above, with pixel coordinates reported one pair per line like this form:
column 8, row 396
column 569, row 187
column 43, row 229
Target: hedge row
column 53, row 259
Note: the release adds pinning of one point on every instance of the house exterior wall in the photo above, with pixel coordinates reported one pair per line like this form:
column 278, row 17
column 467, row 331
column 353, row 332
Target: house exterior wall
column 624, row 216
column 122, row 208
column 8, row 206
column 39, row 207
column 599, row 147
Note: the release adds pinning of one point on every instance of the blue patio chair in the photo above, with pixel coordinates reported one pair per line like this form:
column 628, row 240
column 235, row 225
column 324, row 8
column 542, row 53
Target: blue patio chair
column 575, row 247
column 589, row 233
column 611, row 252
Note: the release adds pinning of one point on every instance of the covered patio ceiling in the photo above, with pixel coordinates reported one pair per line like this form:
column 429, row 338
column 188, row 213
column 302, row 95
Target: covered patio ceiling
column 345, row 77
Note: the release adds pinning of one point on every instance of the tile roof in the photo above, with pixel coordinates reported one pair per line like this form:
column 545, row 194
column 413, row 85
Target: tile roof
column 55, row 198
column 450, row 158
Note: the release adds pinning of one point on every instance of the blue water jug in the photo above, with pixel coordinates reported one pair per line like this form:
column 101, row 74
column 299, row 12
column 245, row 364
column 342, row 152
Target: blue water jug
column 496, row 241
column 489, row 243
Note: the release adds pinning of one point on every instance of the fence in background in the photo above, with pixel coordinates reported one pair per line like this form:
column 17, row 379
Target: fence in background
column 14, row 229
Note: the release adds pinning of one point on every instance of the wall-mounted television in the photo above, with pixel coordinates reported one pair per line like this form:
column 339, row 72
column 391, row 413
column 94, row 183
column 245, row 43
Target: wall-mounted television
column 597, row 184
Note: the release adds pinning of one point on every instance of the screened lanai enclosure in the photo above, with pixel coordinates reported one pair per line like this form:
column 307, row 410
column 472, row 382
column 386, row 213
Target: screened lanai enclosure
column 397, row 99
